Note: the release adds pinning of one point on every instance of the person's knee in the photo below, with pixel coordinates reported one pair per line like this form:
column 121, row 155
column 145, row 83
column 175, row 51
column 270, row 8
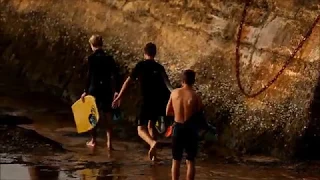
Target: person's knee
column 190, row 162
column 141, row 129
column 191, row 156
column 175, row 164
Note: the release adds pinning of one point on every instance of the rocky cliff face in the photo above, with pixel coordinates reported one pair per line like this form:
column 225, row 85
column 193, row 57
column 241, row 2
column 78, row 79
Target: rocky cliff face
column 46, row 41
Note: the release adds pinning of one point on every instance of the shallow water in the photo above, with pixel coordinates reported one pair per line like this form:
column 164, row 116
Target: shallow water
column 129, row 161
column 144, row 171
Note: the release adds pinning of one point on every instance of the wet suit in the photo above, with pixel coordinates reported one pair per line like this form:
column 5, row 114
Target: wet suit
column 155, row 93
column 185, row 138
column 102, row 69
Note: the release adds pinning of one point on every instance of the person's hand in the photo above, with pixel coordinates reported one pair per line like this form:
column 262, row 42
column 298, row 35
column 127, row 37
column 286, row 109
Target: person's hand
column 83, row 95
column 116, row 100
column 115, row 95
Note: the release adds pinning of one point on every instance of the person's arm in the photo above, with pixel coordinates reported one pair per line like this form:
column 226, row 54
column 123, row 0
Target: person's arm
column 167, row 81
column 169, row 109
column 124, row 87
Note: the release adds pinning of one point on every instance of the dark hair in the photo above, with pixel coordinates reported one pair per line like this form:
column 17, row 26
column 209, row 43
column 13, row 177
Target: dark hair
column 189, row 77
column 150, row 49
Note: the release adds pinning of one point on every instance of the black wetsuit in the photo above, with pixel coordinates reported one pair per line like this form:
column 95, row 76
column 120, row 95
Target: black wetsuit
column 185, row 137
column 102, row 69
column 154, row 91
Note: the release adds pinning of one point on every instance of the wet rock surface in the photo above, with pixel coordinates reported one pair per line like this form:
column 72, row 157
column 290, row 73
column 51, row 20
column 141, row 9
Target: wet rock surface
column 47, row 42
column 19, row 140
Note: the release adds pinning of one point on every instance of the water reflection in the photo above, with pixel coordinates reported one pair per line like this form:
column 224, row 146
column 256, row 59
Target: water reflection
column 43, row 172
column 22, row 172
column 147, row 172
column 109, row 173
column 104, row 173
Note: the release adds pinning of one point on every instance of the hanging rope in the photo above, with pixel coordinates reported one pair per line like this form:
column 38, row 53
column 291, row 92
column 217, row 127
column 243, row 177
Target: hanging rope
column 282, row 68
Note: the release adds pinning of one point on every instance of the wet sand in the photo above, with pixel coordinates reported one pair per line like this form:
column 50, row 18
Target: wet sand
column 25, row 159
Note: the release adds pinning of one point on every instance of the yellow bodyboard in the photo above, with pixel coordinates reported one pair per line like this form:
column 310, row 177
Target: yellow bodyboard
column 86, row 114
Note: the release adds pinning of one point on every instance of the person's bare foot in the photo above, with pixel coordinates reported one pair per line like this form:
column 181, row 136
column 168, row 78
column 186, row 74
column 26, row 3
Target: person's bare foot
column 156, row 159
column 91, row 143
column 152, row 151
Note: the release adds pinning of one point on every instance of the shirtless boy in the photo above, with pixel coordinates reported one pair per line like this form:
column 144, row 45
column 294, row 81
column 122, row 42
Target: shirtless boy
column 103, row 84
column 184, row 104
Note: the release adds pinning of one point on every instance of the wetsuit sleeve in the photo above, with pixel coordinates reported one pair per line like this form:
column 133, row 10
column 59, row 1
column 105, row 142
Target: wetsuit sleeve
column 136, row 72
column 166, row 79
column 88, row 82
column 115, row 74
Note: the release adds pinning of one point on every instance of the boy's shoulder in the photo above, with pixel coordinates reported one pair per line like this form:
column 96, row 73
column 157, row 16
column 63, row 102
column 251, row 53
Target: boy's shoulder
column 140, row 63
column 176, row 91
column 159, row 65
column 150, row 64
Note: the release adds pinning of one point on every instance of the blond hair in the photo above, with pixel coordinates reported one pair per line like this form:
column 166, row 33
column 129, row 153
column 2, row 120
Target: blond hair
column 96, row 41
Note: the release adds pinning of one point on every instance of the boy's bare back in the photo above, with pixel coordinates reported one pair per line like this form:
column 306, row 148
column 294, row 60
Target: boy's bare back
column 185, row 102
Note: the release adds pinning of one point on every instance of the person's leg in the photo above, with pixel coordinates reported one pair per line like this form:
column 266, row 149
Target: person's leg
column 144, row 134
column 152, row 129
column 191, row 150
column 93, row 131
column 177, row 152
column 93, row 141
column 153, row 134
column 143, row 130
column 106, row 96
column 191, row 170
column 175, row 169
column 109, row 128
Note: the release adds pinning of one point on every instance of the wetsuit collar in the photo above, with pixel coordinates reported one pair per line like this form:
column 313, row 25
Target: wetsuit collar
column 150, row 59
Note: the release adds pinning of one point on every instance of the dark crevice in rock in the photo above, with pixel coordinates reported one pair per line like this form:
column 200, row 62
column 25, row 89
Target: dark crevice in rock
column 14, row 120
